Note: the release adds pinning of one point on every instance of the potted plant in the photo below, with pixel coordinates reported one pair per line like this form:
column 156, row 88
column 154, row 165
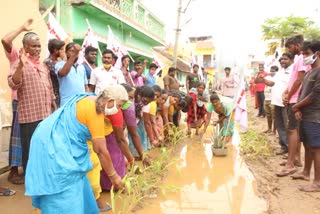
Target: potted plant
column 218, row 142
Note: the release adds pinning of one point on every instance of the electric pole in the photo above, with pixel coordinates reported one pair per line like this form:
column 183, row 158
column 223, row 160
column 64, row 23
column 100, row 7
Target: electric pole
column 178, row 30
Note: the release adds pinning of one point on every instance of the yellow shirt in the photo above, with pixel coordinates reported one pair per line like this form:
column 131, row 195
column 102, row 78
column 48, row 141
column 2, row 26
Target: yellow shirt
column 87, row 115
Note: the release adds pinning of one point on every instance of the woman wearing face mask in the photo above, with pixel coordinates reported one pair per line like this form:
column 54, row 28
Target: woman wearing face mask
column 59, row 155
column 129, row 116
column 223, row 107
column 116, row 143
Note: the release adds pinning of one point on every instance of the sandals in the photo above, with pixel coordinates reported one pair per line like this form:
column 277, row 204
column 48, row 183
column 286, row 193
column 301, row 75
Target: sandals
column 300, row 177
column 286, row 172
column 310, row 188
column 7, row 192
column 106, row 209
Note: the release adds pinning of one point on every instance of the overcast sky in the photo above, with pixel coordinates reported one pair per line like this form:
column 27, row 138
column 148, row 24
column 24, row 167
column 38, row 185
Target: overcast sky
column 234, row 24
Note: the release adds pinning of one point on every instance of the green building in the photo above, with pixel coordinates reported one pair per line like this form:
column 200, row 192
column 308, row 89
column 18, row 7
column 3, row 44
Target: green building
column 131, row 22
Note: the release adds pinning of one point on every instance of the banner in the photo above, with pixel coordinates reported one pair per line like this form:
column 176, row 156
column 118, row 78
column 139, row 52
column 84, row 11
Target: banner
column 55, row 29
column 156, row 60
column 118, row 49
column 89, row 40
column 241, row 115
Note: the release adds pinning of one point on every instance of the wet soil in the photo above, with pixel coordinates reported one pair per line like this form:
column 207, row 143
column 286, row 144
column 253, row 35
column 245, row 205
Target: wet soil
column 282, row 194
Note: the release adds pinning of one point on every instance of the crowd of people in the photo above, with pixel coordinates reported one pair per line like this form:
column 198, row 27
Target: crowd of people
column 78, row 127
column 289, row 98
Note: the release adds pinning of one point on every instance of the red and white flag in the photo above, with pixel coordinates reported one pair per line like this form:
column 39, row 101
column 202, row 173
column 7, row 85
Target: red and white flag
column 89, row 40
column 156, row 60
column 241, row 115
column 55, row 29
column 118, row 49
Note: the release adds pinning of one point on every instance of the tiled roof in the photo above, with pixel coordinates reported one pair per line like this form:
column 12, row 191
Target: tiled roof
column 181, row 65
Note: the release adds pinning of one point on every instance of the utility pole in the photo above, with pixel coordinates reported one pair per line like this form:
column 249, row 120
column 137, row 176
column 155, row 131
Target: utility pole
column 178, row 30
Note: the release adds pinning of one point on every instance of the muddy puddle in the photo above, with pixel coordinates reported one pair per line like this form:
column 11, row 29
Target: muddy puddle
column 208, row 184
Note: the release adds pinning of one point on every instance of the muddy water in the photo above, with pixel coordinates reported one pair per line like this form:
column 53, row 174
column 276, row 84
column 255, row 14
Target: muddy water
column 208, row 184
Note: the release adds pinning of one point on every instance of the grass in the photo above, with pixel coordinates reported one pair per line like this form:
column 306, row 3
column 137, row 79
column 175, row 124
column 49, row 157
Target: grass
column 148, row 183
column 254, row 145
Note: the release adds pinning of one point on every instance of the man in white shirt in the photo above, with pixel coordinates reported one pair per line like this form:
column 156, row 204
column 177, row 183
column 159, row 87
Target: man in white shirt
column 105, row 75
column 279, row 84
column 268, row 107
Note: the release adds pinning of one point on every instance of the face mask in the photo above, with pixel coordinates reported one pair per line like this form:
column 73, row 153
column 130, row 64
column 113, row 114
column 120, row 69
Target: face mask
column 126, row 105
column 309, row 60
column 107, row 66
column 111, row 111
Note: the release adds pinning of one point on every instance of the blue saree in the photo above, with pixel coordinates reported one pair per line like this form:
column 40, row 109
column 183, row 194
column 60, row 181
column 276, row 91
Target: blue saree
column 58, row 162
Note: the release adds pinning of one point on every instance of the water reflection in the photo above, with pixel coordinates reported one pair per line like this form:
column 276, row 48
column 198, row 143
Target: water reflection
column 209, row 184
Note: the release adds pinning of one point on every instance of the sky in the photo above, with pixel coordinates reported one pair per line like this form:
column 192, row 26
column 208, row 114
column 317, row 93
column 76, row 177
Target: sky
column 234, row 24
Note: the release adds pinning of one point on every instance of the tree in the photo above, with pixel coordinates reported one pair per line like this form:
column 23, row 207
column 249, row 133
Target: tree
column 278, row 29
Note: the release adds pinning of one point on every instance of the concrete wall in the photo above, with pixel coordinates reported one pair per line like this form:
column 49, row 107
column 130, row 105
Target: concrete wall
column 14, row 13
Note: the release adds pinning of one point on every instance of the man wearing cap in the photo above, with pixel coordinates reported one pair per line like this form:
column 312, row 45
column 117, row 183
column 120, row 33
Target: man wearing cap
column 71, row 75
column 151, row 78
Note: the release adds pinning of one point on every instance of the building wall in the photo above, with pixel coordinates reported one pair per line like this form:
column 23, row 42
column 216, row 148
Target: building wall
column 14, row 13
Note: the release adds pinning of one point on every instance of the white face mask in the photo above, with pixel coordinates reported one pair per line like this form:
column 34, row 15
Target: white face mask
column 309, row 60
column 111, row 111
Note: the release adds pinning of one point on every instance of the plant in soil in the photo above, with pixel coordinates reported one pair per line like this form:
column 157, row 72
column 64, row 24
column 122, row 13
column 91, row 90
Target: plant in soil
column 148, row 181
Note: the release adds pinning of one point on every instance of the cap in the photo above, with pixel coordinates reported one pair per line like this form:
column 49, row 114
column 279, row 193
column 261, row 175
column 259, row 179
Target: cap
column 116, row 92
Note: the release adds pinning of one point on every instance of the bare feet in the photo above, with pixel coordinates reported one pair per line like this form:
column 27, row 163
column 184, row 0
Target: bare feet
column 310, row 188
column 267, row 131
column 296, row 163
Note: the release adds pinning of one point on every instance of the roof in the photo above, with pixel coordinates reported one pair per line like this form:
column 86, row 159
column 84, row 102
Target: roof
column 205, row 44
column 181, row 65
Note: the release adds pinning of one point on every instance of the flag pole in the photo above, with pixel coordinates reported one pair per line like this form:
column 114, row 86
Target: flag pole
column 47, row 11
column 88, row 23
column 109, row 28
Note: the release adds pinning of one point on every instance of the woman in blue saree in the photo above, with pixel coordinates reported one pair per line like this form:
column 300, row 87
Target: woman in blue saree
column 56, row 175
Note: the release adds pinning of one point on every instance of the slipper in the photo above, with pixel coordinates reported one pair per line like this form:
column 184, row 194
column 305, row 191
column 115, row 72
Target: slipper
column 285, row 172
column 300, row 177
column 106, row 209
column 310, row 188
column 7, row 192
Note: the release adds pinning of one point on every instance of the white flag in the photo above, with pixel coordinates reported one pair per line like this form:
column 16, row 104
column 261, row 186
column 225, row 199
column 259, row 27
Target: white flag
column 89, row 40
column 241, row 115
column 55, row 29
column 118, row 49
column 156, row 60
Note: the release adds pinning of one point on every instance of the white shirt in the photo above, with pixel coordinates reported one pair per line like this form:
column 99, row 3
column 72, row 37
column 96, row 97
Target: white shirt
column 102, row 78
column 268, row 89
column 281, row 81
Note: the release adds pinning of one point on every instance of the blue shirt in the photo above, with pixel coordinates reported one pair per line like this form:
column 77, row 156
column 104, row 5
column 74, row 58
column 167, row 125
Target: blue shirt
column 73, row 83
column 151, row 80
